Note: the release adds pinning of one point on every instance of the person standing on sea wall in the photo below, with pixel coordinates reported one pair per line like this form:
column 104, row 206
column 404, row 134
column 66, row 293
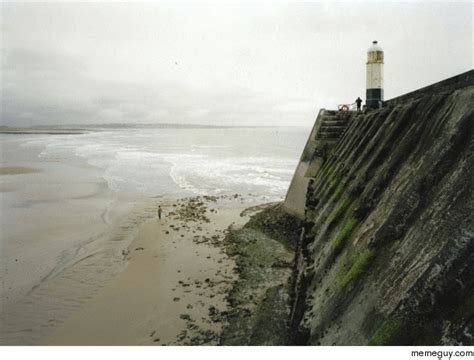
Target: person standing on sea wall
column 159, row 212
column 359, row 103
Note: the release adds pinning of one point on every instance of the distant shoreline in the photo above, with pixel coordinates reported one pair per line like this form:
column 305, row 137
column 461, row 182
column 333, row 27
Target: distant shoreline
column 81, row 129
column 41, row 132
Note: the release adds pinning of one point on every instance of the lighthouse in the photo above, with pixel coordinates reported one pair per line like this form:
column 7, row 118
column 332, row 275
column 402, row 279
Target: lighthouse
column 374, row 76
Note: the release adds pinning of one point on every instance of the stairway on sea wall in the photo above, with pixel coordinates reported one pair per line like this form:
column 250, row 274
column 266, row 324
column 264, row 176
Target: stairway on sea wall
column 332, row 126
column 384, row 243
column 386, row 247
column 328, row 129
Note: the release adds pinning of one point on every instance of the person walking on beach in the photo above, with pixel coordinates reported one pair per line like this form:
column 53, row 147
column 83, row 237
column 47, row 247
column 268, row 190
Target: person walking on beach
column 159, row 212
column 358, row 102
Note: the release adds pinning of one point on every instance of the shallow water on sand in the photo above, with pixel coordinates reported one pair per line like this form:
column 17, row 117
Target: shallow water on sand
column 82, row 197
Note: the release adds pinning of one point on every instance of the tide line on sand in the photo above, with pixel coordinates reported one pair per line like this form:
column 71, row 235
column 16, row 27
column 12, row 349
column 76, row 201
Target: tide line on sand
column 17, row 170
column 173, row 290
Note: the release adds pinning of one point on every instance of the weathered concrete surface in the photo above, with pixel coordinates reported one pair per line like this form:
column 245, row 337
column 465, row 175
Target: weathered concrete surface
column 259, row 300
column 386, row 255
column 442, row 87
column 384, row 249
column 327, row 130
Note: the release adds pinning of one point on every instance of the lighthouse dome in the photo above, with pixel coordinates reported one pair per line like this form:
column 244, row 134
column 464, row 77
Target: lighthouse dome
column 374, row 47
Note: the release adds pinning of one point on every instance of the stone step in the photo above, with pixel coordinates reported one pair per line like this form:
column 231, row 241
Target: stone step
column 331, row 118
column 332, row 127
column 335, row 122
column 330, row 141
column 327, row 135
column 329, row 130
column 343, row 120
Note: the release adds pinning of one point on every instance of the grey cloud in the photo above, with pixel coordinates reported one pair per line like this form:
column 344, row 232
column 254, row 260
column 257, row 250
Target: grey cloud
column 216, row 64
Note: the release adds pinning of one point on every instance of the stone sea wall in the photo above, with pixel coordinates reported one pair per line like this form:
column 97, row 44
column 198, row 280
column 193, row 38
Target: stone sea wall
column 386, row 250
column 380, row 223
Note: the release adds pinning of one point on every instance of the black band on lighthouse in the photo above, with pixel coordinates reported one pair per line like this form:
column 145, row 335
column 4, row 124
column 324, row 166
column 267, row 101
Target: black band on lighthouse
column 374, row 96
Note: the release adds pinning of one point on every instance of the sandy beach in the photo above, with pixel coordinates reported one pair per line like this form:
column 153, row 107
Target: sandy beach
column 27, row 131
column 71, row 205
column 15, row 170
column 173, row 289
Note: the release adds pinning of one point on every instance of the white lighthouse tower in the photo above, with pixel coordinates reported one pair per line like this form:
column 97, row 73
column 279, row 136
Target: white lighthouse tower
column 374, row 76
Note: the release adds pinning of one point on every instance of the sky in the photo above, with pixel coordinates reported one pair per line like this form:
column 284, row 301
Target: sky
column 267, row 63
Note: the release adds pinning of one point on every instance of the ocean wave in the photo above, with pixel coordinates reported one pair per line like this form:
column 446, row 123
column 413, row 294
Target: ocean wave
column 158, row 162
column 204, row 174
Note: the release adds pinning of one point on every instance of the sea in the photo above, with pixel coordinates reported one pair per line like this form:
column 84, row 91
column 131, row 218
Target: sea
column 65, row 220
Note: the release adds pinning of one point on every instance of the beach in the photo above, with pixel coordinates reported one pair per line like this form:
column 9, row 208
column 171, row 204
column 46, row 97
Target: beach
column 77, row 209
column 173, row 290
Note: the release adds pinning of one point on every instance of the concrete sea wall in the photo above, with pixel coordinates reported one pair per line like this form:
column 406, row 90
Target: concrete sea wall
column 386, row 251
column 379, row 218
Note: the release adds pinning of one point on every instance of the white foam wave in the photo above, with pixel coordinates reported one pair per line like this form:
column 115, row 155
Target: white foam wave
column 155, row 162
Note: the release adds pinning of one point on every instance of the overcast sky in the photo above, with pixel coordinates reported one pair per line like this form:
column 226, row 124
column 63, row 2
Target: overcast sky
column 239, row 64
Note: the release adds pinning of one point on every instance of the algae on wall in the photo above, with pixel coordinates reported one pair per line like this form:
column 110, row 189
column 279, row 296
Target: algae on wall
column 258, row 301
column 386, row 254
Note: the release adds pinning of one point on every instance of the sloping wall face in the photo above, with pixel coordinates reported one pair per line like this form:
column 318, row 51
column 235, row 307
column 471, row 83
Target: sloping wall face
column 327, row 130
column 295, row 199
column 386, row 253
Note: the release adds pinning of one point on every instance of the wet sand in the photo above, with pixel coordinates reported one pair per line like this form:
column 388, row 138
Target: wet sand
column 173, row 289
column 88, row 267
column 16, row 170
column 18, row 131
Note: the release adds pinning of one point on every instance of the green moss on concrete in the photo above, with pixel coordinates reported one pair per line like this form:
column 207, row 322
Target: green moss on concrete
column 338, row 192
column 344, row 234
column 339, row 210
column 329, row 170
column 386, row 333
column 271, row 316
column 261, row 291
column 330, row 186
column 359, row 263
column 277, row 224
